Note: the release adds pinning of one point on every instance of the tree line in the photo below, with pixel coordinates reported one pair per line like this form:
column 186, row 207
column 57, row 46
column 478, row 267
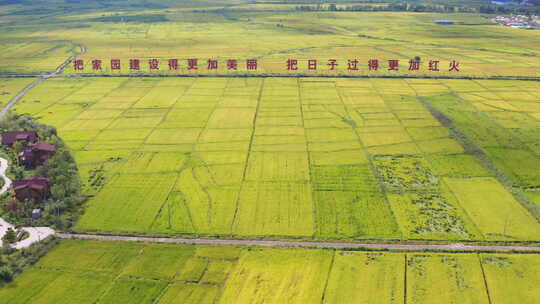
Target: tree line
column 416, row 7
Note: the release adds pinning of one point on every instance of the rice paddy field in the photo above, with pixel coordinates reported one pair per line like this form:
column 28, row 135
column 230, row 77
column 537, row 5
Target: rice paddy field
column 312, row 158
column 34, row 56
column 109, row 272
column 269, row 154
column 9, row 87
column 272, row 34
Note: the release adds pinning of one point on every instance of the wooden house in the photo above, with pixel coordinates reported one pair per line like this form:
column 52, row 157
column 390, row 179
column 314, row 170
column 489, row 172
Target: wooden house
column 36, row 154
column 32, row 188
column 26, row 137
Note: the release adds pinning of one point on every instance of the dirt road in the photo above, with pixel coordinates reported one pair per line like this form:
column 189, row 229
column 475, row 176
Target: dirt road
column 317, row 244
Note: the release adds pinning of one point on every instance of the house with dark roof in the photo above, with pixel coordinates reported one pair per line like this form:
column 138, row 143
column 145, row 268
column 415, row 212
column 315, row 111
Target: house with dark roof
column 36, row 154
column 32, row 188
column 26, row 137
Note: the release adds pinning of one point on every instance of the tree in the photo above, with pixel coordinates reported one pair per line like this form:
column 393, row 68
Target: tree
column 6, row 274
column 60, row 170
column 10, row 236
column 18, row 147
column 17, row 171
column 12, row 206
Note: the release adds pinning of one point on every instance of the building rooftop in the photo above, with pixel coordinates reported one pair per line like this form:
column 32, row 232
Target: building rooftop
column 9, row 138
column 35, row 182
column 43, row 147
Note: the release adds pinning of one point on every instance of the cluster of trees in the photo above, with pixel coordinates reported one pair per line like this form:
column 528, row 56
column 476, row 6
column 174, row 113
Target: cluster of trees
column 418, row 7
column 386, row 7
column 13, row 262
column 61, row 207
column 505, row 10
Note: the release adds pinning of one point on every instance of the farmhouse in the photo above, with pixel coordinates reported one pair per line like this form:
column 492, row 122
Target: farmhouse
column 9, row 138
column 36, row 154
column 32, row 188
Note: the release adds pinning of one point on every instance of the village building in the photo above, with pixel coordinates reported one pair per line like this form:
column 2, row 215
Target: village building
column 36, row 154
column 32, row 188
column 518, row 21
column 36, row 213
column 26, row 137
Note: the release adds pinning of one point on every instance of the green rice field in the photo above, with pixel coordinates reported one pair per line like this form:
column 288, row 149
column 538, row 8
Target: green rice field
column 324, row 158
column 9, row 87
column 312, row 144
column 109, row 272
column 270, row 32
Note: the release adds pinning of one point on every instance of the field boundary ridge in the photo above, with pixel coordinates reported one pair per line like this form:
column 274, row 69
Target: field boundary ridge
column 452, row 247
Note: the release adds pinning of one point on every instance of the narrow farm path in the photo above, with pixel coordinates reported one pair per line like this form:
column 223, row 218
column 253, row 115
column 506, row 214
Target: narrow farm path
column 35, row 234
column 4, row 226
column 313, row 244
column 7, row 180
